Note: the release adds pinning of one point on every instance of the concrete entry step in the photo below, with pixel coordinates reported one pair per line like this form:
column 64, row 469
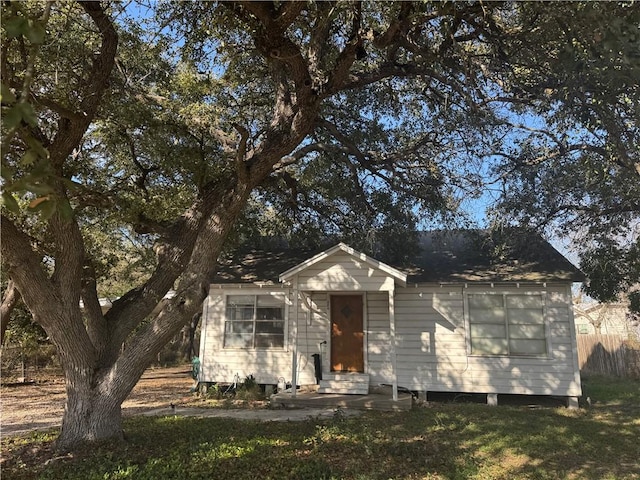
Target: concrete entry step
column 346, row 377
column 344, row 383
column 345, row 388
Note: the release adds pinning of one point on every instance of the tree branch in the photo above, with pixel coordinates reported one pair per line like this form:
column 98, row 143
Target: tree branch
column 191, row 290
column 278, row 49
column 71, row 130
column 96, row 324
column 10, row 299
column 173, row 251
column 24, row 265
column 596, row 211
column 57, row 108
column 62, row 321
column 287, row 12
column 301, row 153
column 344, row 140
column 241, row 166
column 318, row 41
column 347, row 56
column 398, row 180
column 397, row 27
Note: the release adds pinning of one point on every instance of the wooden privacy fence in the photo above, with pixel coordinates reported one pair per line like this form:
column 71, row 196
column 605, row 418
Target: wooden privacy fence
column 602, row 355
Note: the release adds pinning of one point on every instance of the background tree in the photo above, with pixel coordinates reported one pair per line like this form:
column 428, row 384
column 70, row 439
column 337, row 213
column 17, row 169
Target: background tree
column 165, row 126
column 578, row 175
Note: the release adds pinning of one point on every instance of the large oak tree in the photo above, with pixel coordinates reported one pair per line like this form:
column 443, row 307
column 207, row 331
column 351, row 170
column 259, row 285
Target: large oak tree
column 578, row 175
column 165, row 125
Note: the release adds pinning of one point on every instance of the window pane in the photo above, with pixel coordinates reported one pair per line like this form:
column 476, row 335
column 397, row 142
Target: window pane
column 238, row 327
column 528, row 347
column 526, row 316
column 493, row 315
column 488, row 346
column 270, row 300
column 524, row 301
column 238, row 340
column 240, row 307
column 235, row 300
column 254, row 321
column 526, row 331
column 240, row 313
column 515, row 328
column 485, row 301
column 270, row 327
column 270, row 313
column 270, row 307
column 489, row 330
column 264, row 340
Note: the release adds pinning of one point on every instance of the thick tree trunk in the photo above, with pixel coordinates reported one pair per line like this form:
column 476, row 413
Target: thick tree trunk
column 93, row 410
column 97, row 388
column 90, row 415
column 99, row 372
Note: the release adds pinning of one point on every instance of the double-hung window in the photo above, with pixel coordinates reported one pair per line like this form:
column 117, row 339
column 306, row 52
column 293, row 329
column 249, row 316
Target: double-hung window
column 507, row 324
column 254, row 321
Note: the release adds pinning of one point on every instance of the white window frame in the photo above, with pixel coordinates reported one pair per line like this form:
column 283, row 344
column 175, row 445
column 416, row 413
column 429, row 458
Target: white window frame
column 255, row 294
column 504, row 294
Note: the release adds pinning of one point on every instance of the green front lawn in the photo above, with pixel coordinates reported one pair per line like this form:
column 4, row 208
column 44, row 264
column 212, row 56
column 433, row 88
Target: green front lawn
column 442, row 441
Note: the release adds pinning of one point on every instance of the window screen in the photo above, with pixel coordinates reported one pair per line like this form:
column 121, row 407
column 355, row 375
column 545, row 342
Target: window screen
column 254, row 321
column 506, row 324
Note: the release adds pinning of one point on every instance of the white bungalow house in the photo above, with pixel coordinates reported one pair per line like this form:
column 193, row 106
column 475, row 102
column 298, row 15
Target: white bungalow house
column 603, row 319
column 468, row 313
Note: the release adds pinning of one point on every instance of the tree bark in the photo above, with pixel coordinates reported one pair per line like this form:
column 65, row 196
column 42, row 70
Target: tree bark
column 91, row 412
column 9, row 301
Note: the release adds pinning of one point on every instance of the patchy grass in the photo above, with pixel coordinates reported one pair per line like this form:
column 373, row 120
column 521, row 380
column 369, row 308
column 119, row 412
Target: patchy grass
column 611, row 390
column 443, row 441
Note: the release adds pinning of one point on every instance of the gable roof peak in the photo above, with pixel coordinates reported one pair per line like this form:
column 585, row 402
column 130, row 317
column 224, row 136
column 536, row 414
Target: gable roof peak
column 399, row 276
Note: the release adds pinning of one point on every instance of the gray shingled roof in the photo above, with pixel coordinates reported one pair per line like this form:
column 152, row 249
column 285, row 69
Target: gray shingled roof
column 443, row 256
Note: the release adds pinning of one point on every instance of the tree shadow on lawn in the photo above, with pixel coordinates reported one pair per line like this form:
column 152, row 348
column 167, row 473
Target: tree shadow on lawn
column 441, row 442
column 558, row 443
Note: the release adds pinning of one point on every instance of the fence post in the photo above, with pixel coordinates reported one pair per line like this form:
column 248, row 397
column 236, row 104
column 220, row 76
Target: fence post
column 23, row 377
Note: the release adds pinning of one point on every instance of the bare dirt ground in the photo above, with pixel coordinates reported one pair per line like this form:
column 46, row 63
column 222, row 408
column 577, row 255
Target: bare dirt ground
column 40, row 405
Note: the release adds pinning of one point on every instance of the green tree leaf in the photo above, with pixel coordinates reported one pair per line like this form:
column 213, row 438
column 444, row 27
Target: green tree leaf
column 45, row 206
column 29, row 158
column 37, row 147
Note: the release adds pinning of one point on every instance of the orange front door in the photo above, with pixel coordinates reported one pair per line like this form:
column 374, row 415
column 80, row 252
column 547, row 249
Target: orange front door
column 347, row 349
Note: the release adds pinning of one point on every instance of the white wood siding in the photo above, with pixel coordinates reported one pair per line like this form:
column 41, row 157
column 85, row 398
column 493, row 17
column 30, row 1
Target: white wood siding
column 342, row 272
column 431, row 337
column 313, row 328
column 378, row 362
column 219, row 364
column 433, row 355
